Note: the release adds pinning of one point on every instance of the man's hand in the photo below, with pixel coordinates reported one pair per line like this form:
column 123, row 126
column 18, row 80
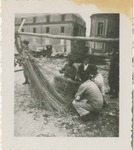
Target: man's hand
column 77, row 79
column 105, row 102
column 77, row 98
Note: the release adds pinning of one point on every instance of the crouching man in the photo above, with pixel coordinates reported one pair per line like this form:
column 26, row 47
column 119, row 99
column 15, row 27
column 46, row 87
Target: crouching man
column 88, row 100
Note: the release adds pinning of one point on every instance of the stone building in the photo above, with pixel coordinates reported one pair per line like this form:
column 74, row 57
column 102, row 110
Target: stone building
column 55, row 24
column 105, row 26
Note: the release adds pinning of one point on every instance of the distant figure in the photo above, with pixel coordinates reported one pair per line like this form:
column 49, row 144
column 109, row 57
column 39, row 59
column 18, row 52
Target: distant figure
column 113, row 78
column 84, row 70
column 49, row 50
column 69, row 70
column 25, row 47
column 88, row 100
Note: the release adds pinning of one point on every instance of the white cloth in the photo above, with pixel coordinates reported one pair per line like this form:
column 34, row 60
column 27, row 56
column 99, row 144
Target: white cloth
column 85, row 67
column 99, row 81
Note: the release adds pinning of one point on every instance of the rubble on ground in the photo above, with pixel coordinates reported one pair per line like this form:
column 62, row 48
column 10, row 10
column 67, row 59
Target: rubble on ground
column 32, row 121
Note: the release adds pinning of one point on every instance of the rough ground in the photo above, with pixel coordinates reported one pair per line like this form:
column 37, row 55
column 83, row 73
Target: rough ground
column 35, row 122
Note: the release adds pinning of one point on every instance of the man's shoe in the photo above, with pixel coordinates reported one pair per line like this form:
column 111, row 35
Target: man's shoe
column 84, row 118
column 88, row 117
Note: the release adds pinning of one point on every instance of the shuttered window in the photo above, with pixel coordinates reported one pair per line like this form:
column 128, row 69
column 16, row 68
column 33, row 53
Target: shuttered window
column 62, row 29
column 34, row 30
column 47, row 29
column 100, row 28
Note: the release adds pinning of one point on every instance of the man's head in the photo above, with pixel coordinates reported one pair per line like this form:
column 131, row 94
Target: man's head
column 93, row 70
column 70, row 62
column 86, row 61
column 25, row 43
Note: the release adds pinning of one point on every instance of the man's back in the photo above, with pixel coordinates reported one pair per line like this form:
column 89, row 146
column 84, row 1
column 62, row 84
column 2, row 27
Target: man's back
column 89, row 90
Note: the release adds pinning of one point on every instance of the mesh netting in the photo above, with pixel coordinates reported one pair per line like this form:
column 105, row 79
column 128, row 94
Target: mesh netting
column 40, row 87
column 41, row 90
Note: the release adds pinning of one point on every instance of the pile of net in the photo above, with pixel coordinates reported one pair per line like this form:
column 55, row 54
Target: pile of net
column 41, row 90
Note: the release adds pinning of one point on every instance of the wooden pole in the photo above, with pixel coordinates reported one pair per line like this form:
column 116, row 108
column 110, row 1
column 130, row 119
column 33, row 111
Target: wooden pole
column 95, row 39
column 18, row 70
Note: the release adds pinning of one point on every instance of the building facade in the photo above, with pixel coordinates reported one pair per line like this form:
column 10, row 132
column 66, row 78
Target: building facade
column 55, row 24
column 105, row 26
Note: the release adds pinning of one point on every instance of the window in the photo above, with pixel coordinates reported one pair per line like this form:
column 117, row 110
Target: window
column 47, row 29
column 34, row 30
column 79, row 33
column 62, row 42
column 62, row 29
column 76, row 30
column 48, row 18
column 34, row 19
column 100, row 28
column 22, row 30
column 63, row 17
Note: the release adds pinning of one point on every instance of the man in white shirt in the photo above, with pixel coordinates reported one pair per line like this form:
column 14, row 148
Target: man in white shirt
column 84, row 70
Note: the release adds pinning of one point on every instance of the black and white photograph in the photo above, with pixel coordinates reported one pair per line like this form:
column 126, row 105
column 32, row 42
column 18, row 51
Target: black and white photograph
column 66, row 74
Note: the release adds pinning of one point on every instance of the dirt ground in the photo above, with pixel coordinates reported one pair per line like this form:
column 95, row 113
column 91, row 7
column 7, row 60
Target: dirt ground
column 30, row 121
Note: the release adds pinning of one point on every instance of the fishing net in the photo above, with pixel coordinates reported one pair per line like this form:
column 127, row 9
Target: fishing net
column 66, row 87
column 41, row 90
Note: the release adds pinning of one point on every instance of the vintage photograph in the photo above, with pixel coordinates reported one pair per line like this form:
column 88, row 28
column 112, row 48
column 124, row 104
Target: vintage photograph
column 66, row 75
